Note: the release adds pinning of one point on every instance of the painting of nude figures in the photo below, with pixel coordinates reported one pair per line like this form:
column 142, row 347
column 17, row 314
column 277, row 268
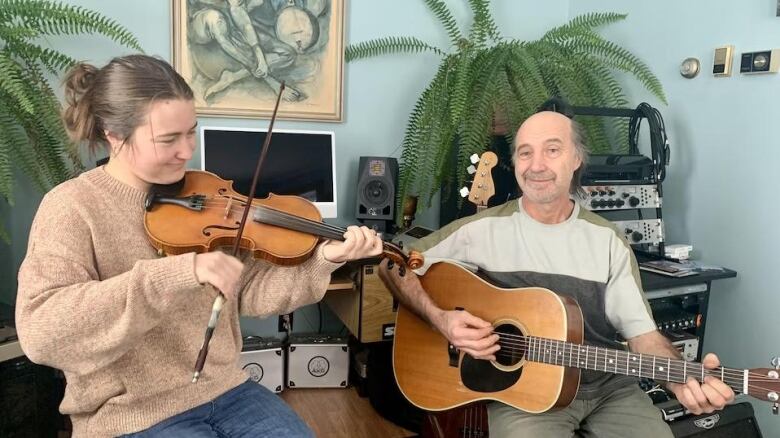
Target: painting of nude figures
column 236, row 54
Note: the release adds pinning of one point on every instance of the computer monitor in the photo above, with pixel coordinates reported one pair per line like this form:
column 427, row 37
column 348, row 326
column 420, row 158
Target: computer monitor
column 301, row 163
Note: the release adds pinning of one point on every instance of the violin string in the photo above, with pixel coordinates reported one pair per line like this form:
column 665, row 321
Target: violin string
column 292, row 219
column 284, row 218
column 239, row 208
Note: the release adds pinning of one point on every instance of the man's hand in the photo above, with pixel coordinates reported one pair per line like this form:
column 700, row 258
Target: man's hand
column 706, row 397
column 468, row 333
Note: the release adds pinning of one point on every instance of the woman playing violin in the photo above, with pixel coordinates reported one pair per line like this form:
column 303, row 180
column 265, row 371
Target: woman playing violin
column 124, row 324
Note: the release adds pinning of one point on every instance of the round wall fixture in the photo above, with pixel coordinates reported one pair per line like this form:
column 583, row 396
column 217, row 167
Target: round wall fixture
column 690, row 68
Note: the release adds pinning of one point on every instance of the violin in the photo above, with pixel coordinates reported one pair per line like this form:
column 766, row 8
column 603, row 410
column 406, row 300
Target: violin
column 201, row 215
column 206, row 214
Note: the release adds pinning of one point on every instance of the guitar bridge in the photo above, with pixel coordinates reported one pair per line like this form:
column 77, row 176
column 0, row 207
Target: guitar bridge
column 453, row 353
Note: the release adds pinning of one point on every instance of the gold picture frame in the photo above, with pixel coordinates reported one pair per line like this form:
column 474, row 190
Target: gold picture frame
column 235, row 53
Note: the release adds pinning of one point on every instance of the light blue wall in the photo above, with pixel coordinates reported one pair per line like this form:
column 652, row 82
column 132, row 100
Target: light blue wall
column 378, row 95
column 721, row 190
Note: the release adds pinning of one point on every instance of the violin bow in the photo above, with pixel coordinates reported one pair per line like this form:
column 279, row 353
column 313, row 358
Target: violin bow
column 216, row 309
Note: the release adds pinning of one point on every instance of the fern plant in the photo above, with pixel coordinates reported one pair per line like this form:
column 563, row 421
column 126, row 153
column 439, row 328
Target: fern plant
column 32, row 136
column 486, row 75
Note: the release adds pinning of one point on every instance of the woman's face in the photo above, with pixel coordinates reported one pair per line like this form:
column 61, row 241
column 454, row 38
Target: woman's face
column 159, row 149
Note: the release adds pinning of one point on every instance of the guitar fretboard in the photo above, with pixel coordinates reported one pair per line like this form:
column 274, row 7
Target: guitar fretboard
column 627, row 363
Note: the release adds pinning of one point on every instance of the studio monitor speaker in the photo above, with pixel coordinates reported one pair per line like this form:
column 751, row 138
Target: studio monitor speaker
column 376, row 188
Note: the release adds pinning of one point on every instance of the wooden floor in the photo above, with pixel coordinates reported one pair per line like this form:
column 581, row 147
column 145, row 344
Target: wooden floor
column 340, row 413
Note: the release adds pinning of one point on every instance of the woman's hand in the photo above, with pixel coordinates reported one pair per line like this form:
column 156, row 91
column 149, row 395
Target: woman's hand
column 360, row 243
column 219, row 270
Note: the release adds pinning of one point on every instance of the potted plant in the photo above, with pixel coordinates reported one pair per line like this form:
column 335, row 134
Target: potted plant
column 486, row 78
column 32, row 136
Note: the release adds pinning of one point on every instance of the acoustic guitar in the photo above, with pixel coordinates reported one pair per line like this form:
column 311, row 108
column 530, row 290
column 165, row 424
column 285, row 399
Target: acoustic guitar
column 538, row 366
column 470, row 421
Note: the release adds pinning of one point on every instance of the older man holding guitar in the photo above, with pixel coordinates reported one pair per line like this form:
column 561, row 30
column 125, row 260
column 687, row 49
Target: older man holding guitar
column 525, row 347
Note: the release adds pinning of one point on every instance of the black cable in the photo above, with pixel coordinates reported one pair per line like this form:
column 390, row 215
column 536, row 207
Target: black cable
column 319, row 309
column 659, row 143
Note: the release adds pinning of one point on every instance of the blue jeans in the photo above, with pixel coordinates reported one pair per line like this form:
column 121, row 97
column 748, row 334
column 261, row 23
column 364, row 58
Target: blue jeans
column 248, row 410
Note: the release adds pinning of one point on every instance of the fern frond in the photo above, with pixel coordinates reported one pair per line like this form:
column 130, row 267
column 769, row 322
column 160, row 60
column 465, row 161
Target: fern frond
column 54, row 61
column 6, row 170
column 15, row 140
column 416, row 130
column 54, row 18
column 618, row 58
column 484, row 26
column 581, row 24
column 13, row 81
column 463, row 78
column 382, row 46
column 442, row 12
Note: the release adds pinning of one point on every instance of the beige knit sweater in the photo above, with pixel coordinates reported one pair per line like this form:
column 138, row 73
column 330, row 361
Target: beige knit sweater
column 124, row 325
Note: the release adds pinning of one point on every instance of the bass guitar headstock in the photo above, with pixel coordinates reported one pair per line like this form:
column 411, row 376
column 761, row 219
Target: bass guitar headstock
column 482, row 187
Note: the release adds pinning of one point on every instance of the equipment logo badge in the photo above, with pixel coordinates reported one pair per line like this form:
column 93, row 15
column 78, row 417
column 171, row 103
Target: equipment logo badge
column 255, row 371
column 318, row 366
column 707, row 422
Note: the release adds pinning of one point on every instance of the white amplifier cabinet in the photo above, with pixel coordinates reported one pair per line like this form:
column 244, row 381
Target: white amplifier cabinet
column 263, row 360
column 317, row 361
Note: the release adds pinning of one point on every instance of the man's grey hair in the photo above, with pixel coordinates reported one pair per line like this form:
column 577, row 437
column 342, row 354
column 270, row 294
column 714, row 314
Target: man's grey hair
column 583, row 153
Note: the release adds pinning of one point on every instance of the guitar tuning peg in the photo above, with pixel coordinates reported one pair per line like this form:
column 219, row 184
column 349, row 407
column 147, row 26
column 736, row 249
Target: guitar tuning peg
column 474, row 158
column 471, row 170
column 464, row 192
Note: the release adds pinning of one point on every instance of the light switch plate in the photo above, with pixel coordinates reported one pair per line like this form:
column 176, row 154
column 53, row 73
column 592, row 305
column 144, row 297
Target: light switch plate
column 721, row 65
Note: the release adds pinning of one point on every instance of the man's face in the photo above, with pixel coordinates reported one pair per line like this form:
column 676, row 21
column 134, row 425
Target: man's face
column 545, row 158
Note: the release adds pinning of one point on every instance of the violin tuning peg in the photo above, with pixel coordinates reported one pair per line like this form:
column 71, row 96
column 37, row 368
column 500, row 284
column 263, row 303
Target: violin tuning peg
column 471, row 170
column 464, row 192
column 474, row 158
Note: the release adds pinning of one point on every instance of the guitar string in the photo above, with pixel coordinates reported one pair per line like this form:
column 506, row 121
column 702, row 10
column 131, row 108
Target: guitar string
column 753, row 383
column 524, row 343
column 548, row 342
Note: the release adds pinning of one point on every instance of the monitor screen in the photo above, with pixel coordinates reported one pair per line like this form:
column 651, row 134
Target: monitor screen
column 298, row 163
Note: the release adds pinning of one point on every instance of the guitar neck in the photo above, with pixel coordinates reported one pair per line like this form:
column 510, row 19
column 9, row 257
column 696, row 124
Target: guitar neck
column 588, row 357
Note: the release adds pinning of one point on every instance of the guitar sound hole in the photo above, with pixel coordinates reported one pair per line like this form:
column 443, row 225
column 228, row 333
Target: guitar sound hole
column 513, row 344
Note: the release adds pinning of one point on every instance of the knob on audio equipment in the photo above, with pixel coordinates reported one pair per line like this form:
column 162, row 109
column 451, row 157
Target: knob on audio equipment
column 633, row 201
column 636, row 236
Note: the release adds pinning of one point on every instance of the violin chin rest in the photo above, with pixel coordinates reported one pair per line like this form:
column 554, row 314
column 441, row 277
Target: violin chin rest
column 172, row 189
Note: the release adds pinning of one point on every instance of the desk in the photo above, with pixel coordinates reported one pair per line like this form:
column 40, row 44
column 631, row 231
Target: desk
column 359, row 298
column 652, row 281
column 691, row 294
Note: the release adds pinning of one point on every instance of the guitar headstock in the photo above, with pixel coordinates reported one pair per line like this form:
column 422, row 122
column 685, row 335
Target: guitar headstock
column 482, row 187
column 764, row 384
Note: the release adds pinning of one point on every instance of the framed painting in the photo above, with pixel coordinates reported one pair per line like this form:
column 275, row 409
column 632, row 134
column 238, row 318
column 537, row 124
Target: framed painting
column 235, row 54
